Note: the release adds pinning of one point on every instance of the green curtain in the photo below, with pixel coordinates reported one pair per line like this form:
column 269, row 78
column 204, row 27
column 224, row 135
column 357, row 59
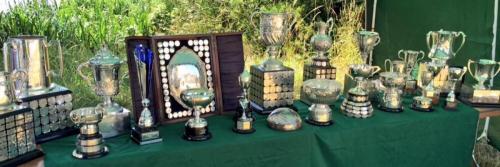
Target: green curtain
column 404, row 25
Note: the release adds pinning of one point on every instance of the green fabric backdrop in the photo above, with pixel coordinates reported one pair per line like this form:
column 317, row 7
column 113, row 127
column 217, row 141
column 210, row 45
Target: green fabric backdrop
column 404, row 25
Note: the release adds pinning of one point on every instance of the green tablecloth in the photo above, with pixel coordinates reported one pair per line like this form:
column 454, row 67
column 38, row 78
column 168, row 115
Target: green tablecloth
column 440, row 138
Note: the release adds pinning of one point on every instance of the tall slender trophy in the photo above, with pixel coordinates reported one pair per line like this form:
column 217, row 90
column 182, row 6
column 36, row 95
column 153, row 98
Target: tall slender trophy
column 485, row 70
column 440, row 44
column 320, row 67
column 90, row 143
column 367, row 40
column 321, row 93
column 357, row 103
column 244, row 121
column 391, row 100
column 455, row 75
column 411, row 59
column 272, row 81
column 145, row 131
column 196, row 129
column 33, row 54
column 106, row 67
column 424, row 102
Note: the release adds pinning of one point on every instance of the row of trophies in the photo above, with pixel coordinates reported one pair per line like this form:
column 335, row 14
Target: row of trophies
column 29, row 98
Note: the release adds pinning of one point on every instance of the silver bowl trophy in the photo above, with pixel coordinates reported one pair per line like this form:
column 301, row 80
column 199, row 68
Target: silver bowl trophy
column 455, row 75
column 17, row 144
column 367, row 40
column 441, row 48
column 411, row 59
column 485, row 70
column 284, row 119
column 272, row 82
column 391, row 100
column 51, row 103
column 106, row 67
column 320, row 67
column 357, row 103
column 244, row 122
column 145, row 130
column 424, row 102
column 196, row 129
column 90, row 143
column 321, row 93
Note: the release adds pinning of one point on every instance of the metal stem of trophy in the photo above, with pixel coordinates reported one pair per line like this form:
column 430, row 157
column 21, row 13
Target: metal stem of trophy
column 196, row 129
column 106, row 67
column 145, row 131
column 244, row 124
column 90, row 143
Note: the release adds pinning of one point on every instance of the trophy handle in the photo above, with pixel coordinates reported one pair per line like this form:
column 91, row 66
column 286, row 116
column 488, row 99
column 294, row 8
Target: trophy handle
column 349, row 75
column 470, row 69
column 377, row 42
column 74, row 117
column 465, row 71
column 251, row 18
column 401, row 56
column 428, row 38
column 57, row 45
column 463, row 41
column 385, row 65
column 375, row 69
column 293, row 21
column 421, row 58
column 79, row 70
column 498, row 71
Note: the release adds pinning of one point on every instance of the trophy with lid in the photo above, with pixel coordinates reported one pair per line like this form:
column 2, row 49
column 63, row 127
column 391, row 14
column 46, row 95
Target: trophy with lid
column 272, row 82
column 145, row 130
column 320, row 67
column 244, row 121
column 51, row 103
column 17, row 142
column 106, row 67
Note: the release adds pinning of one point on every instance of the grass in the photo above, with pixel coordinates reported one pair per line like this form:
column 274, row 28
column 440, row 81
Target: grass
column 83, row 26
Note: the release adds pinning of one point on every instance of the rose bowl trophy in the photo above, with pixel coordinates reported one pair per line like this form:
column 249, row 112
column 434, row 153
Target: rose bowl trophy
column 244, row 122
column 320, row 67
column 51, row 103
column 321, row 93
column 106, row 67
column 357, row 103
column 391, row 100
column 145, row 130
column 272, row 82
column 411, row 59
column 455, row 75
column 90, row 143
column 485, row 70
column 367, row 40
column 196, row 129
column 17, row 139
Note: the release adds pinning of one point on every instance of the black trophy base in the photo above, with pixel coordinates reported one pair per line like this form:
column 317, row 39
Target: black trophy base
column 450, row 106
column 22, row 158
column 196, row 134
column 240, row 131
column 316, row 123
column 42, row 138
column 143, row 136
column 415, row 108
column 391, row 110
column 79, row 155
